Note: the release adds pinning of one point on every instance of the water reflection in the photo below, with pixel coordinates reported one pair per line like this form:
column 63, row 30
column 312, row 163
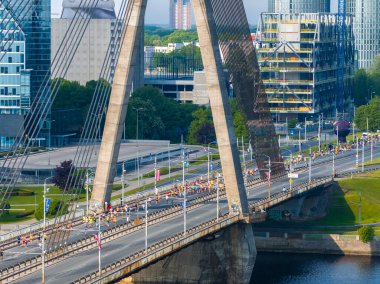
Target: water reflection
column 310, row 269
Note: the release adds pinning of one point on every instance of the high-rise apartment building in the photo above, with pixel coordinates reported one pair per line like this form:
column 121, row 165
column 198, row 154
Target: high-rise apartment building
column 366, row 29
column 92, row 49
column 297, row 55
column 180, row 14
column 25, row 62
column 299, row 6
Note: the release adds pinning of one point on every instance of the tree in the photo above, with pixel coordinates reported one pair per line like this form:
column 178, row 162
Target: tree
column 361, row 87
column 366, row 234
column 63, row 173
column 239, row 120
column 201, row 129
column 370, row 111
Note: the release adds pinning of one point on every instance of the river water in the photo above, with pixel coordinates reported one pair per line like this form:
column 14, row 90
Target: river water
column 315, row 269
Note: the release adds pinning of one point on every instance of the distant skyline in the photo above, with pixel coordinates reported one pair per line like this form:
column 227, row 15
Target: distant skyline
column 158, row 10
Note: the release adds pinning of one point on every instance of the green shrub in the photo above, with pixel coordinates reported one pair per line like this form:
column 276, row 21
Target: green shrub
column 5, row 206
column 366, row 234
column 24, row 214
column 53, row 209
column 22, row 192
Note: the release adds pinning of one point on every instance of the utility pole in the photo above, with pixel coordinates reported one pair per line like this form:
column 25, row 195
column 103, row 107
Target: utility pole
column 371, row 148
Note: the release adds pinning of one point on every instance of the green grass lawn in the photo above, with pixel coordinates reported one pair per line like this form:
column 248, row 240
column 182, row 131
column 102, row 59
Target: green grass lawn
column 343, row 207
column 373, row 162
column 26, row 203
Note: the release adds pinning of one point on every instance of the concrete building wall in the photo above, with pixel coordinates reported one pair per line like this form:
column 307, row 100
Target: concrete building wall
column 89, row 58
column 180, row 14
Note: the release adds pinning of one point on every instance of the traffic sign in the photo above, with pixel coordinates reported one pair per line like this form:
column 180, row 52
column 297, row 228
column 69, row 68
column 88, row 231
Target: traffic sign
column 291, row 181
column 292, row 175
column 47, row 204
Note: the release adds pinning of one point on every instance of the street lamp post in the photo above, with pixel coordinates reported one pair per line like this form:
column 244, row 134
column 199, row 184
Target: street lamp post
column 305, row 129
column 319, row 134
column 137, row 141
column 122, row 183
column 269, row 176
column 357, row 152
column 362, row 156
column 99, row 249
column 333, row 164
column 146, row 225
column 217, row 198
column 184, row 192
column 43, row 235
column 208, row 163
column 299, row 140
column 169, row 158
column 87, row 189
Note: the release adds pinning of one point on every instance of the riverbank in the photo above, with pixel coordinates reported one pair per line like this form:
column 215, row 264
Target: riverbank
column 282, row 242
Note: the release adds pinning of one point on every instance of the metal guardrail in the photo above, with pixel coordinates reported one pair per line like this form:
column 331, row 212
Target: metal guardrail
column 283, row 196
column 59, row 253
column 157, row 251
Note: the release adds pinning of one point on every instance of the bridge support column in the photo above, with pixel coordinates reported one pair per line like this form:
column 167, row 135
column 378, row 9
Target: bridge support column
column 117, row 108
column 226, row 257
column 221, row 112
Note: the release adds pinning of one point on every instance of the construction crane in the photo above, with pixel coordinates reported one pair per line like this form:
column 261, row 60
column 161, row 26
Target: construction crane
column 339, row 98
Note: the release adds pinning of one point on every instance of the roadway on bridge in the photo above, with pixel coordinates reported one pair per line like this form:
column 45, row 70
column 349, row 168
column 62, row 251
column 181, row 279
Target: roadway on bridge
column 81, row 264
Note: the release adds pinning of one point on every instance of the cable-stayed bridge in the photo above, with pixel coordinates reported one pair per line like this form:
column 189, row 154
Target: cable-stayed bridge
column 225, row 42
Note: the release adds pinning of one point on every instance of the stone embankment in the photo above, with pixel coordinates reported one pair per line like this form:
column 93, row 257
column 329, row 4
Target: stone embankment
column 315, row 243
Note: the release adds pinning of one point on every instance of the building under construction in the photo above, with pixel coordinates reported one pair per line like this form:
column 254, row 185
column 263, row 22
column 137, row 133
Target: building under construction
column 298, row 56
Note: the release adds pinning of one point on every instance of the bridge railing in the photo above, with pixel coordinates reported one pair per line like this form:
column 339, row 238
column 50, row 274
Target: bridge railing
column 158, row 250
column 283, row 196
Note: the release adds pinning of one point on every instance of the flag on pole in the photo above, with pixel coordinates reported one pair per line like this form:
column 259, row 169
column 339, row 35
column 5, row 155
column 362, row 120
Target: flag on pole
column 158, row 175
column 98, row 242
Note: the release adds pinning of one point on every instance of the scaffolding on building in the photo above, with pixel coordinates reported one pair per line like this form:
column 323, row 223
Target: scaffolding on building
column 298, row 60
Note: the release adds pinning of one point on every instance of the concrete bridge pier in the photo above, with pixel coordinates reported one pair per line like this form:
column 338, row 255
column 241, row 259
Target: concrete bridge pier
column 226, row 257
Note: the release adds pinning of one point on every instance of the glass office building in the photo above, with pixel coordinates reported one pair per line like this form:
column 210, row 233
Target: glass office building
column 366, row 29
column 299, row 6
column 25, row 62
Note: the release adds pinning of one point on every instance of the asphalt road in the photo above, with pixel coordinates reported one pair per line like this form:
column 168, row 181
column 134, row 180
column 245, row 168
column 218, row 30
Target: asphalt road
column 79, row 265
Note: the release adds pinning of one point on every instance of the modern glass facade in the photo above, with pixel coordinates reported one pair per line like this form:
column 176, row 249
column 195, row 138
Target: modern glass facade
column 297, row 54
column 299, row 6
column 366, row 29
column 25, row 58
